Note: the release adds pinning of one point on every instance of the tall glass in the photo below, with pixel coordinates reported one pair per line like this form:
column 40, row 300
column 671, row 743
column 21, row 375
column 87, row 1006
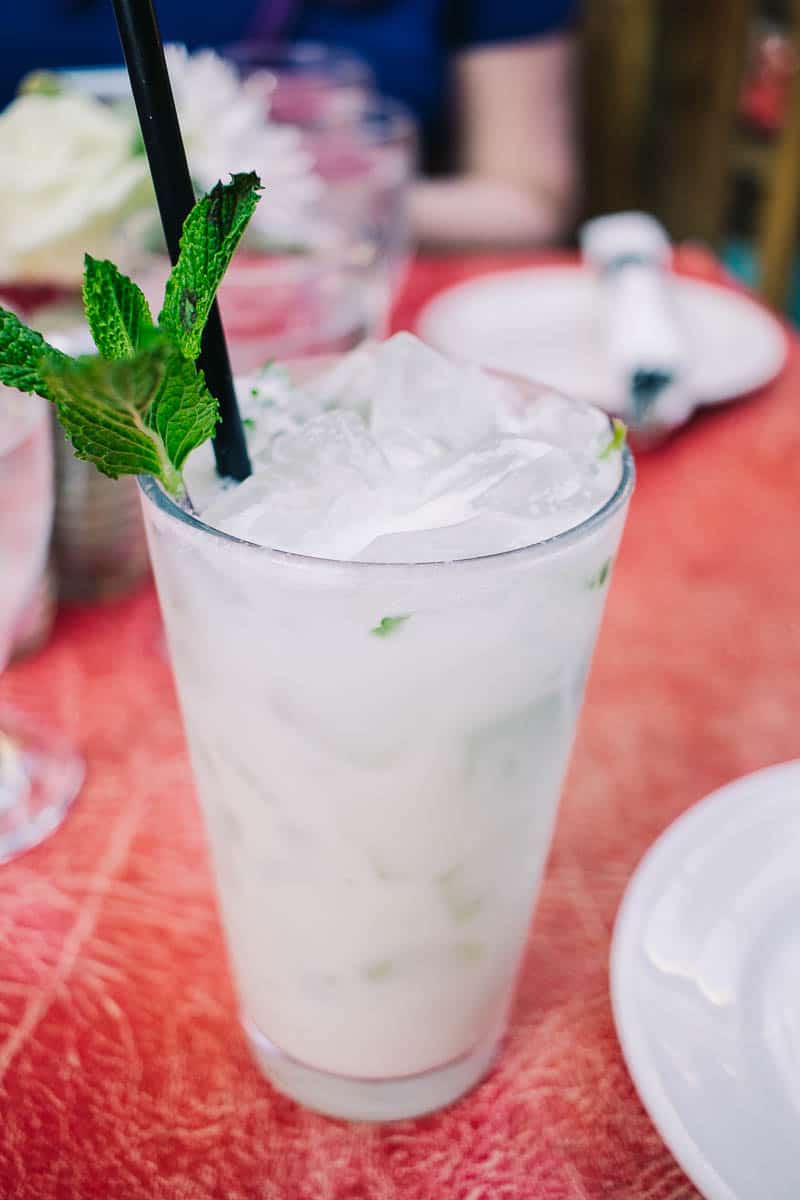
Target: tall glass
column 39, row 777
column 378, row 794
column 363, row 146
column 368, row 166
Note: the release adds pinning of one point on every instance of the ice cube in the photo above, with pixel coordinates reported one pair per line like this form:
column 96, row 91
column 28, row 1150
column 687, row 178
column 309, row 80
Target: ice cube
column 327, row 445
column 534, row 485
column 418, row 391
column 274, row 405
column 399, row 454
column 350, row 384
column 270, row 406
column 453, row 488
column 476, row 470
column 566, row 423
column 315, row 491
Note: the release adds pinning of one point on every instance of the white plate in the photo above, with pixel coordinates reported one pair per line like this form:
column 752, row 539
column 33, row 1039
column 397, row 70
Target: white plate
column 705, row 985
column 545, row 323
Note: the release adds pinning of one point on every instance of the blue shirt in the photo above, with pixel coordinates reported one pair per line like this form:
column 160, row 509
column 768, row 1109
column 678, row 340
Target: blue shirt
column 408, row 43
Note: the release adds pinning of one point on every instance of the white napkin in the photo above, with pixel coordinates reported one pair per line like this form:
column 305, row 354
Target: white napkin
column 645, row 344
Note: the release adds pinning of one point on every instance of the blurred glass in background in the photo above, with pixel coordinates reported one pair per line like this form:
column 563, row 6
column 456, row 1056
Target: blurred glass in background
column 39, row 776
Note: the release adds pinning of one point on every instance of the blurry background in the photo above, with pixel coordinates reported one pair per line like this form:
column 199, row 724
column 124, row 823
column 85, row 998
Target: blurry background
column 687, row 111
column 692, row 112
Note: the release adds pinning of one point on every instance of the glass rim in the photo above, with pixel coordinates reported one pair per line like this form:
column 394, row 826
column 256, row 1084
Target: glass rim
column 545, row 548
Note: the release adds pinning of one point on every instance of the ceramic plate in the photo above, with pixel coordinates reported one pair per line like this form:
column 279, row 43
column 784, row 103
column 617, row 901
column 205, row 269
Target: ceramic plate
column 705, row 982
column 544, row 323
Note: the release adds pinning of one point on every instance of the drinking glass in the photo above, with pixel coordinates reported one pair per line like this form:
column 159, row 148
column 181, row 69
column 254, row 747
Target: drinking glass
column 368, row 166
column 39, row 776
column 327, row 298
column 363, row 146
column 378, row 751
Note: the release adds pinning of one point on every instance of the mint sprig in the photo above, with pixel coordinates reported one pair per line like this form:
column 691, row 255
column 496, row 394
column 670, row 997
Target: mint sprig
column 140, row 406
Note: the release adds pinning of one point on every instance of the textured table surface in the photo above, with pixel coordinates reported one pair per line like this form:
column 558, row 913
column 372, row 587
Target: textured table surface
column 123, row 1073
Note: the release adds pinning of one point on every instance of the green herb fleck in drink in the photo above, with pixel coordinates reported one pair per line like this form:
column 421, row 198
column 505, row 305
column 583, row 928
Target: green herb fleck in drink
column 389, row 625
column 619, row 431
column 600, row 578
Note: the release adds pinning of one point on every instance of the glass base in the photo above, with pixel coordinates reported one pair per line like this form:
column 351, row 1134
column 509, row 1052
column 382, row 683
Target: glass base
column 371, row 1099
column 39, row 779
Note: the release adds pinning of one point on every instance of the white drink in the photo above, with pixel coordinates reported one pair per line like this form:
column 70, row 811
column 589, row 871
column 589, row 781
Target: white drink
column 379, row 742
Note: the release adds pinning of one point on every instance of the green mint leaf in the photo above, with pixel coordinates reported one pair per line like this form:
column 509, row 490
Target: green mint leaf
column 389, row 625
column 139, row 415
column 102, row 406
column 21, row 353
column 117, row 312
column 211, row 233
column 249, row 422
column 183, row 413
column 619, row 432
column 599, row 578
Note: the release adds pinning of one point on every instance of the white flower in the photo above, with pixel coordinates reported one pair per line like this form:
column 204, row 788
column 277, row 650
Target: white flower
column 226, row 127
column 70, row 177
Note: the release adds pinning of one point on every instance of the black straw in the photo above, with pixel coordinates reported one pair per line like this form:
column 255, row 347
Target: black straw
column 152, row 92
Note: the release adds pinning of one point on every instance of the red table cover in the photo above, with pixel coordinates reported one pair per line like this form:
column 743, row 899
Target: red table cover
column 123, row 1073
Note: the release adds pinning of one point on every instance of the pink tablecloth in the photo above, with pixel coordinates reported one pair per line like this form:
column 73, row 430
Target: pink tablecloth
column 123, row 1073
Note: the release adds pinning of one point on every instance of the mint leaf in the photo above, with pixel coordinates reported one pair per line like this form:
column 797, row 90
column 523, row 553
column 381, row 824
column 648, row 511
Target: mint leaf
column 102, row 406
column 619, row 432
column 389, row 625
column 139, row 415
column 184, row 414
column 211, row 233
column 21, row 353
column 117, row 312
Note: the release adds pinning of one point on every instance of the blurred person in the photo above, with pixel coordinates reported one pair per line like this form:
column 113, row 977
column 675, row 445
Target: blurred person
column 489, row 81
